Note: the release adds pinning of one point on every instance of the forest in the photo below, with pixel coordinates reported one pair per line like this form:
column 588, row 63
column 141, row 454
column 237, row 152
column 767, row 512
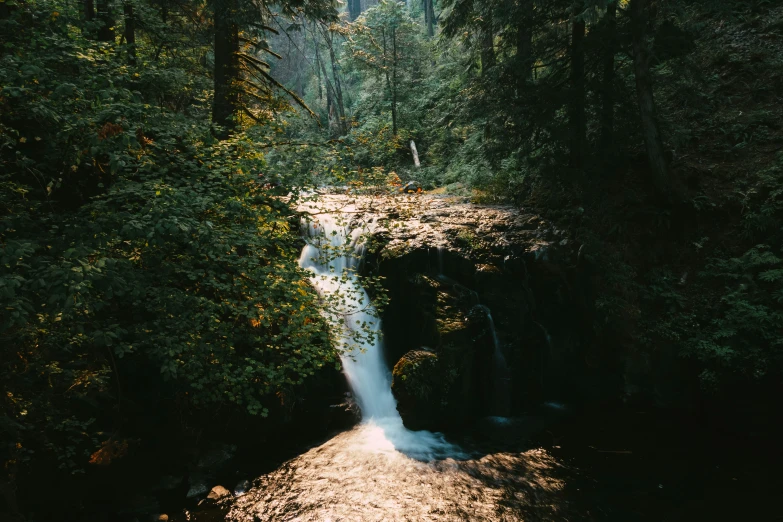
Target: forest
column 559, row 224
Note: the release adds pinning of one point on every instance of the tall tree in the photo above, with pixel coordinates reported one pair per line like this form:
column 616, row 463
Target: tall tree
column 659, row 170
column 524, row 47
column 577, row 117
column 106, row 29
column 334, row 86
column 89, row 10
column 429, row 17
column 226, row 71
column 130, row 30
column 607, row 82
column 487, row 38
column 384, row 41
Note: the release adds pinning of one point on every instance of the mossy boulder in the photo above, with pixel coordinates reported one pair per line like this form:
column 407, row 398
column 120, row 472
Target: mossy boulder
column 421, row 383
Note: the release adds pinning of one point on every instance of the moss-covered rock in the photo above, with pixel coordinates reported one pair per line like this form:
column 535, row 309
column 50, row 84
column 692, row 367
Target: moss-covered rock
column 421, row 384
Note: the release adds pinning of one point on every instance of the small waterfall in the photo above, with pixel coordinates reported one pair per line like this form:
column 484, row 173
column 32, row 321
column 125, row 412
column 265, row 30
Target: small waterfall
column 333, row 253
column 502, row 374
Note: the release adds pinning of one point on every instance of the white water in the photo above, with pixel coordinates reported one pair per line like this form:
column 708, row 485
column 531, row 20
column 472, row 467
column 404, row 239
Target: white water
column 333, row 253
column 502, row 374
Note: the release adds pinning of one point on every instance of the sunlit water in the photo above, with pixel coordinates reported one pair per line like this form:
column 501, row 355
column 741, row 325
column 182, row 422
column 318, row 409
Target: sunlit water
column 333, row 252
column 380, row 470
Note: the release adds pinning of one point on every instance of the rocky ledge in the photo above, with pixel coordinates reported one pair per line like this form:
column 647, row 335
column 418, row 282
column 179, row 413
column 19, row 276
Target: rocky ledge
column 490, row 307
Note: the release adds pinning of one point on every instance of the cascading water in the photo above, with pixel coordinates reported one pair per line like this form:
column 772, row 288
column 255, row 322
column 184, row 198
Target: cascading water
column 379, row 470
column 502, row 377
column 333, row 253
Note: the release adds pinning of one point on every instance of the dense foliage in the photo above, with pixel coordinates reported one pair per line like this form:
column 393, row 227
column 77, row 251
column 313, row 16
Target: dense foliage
column 630, row 123
column 148, row 246
column 141, row 261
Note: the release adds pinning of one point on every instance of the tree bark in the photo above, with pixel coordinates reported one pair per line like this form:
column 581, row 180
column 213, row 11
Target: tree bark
column 226, row 74
column 487, row 42
column 525, row 42
column 394, row 80
column 106, row 30
column 338, row 89
column 659, row 170
column 330, row 100
column 429, row 17
column 130, row 31
column 89, row 10
column 577, row 118
column 607, row 89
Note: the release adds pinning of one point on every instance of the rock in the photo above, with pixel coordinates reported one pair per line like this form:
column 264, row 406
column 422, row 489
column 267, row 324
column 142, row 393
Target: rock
column 344, row 415
column 218, row 493
column 420, row 384
column 241, row 488
column 160, row 518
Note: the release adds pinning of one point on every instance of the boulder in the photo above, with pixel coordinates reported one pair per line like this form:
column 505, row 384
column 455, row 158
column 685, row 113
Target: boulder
column 218, row 493
column 421, row 384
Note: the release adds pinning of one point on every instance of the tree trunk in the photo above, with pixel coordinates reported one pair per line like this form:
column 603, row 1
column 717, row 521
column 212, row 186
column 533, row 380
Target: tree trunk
column 429, row 17
column 487, row 42
column 338, row 89
column 318, row 64
column 330, row 100
column 89, row 10
column 226, row 74
column 577, row 118
column 659, row 170
column 607, row 89
column 106, row 31
column 130, row 31
column 525, row 42
column 394, row 80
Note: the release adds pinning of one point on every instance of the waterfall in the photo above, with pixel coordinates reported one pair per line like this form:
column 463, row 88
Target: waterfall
column 502, row 374
column 333, row 254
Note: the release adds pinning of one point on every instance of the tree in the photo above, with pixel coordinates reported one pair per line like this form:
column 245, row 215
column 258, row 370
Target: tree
column 659, row 170
column 226, row 71
column 577, row 117
column 383, row 42
column 607, row 82
column 106, row 19
column 130, row 30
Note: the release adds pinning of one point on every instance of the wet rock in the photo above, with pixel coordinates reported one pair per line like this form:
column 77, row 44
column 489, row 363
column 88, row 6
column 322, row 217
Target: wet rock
column 420, row 384
column 345, row 414
column 218, row 493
